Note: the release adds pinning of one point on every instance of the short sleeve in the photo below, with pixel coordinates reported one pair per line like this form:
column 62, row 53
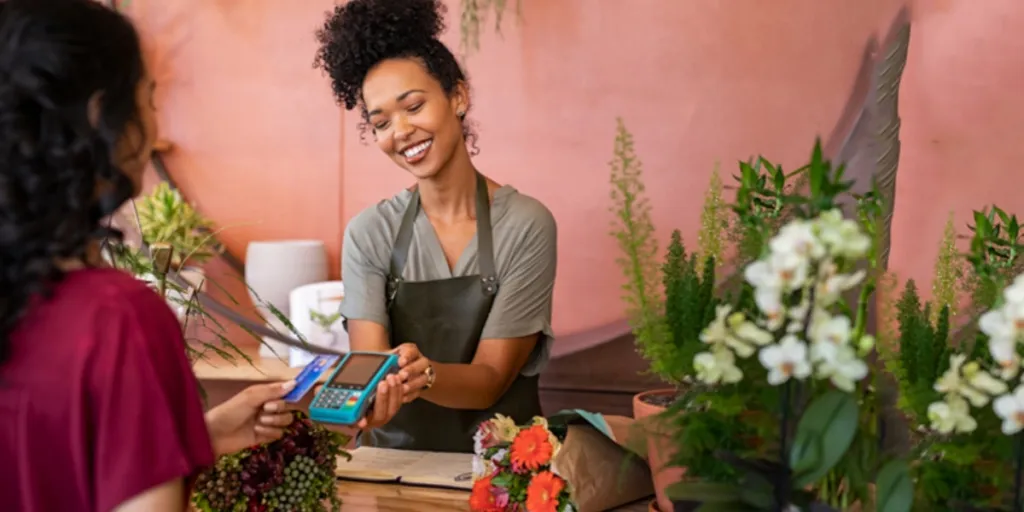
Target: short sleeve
column 363, row 269
column 526, row 287
column 146, row 408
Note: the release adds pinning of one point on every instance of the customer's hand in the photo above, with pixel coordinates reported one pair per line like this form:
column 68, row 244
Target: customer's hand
column 386, row 403
column 413, row 367
column 256, row 415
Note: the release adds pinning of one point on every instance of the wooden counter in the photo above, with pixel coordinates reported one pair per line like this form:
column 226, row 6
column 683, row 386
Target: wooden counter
column 360, row 496
column 222, row 379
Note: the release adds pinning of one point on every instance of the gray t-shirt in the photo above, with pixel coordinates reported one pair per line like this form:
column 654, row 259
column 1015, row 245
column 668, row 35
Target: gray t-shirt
column 525, row 254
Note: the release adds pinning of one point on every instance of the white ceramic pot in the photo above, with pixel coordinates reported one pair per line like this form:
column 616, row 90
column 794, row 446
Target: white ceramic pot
column 273, row 268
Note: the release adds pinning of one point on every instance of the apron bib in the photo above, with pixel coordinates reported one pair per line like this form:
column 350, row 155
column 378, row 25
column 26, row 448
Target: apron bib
column 445, row 318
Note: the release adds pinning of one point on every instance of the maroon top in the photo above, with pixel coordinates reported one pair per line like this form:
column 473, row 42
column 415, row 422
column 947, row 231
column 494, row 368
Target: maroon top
column 98, row 402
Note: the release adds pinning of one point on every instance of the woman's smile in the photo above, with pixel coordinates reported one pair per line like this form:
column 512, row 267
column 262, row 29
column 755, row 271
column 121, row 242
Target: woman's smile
column 416, row 152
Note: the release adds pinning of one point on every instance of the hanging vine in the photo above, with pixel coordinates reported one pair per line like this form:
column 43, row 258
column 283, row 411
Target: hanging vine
column 475, row 13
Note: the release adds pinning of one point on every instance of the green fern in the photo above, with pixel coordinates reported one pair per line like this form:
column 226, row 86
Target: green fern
column 689, row 283
column 924, row 351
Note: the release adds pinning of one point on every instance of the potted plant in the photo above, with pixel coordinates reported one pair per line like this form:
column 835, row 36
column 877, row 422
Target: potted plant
column 166, row 219
column 964, row 400
column 783, row 411
column 650, row 290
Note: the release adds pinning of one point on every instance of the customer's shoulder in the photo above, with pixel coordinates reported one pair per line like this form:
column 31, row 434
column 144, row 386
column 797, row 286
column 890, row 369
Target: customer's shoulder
column 108, row 287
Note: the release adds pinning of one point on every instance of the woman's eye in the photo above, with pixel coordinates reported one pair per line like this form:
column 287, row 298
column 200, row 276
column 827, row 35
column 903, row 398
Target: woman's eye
column 380, row 126
column 416, row 107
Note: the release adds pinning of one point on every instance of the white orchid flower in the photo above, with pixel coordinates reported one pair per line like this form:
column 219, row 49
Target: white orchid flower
column 957, row 381
column 831, row 288
column 843, row 237
column 951, row 415
column 716, row 367
column 1004, row 352
column 797, row 238
column 835, row 330
column 839, row 364
column 1014, row 294
column 785, row 360
column 1010, row 408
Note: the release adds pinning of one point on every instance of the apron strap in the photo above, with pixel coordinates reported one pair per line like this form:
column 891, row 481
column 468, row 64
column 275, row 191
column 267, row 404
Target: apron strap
column 404, row 238
column 484, row 240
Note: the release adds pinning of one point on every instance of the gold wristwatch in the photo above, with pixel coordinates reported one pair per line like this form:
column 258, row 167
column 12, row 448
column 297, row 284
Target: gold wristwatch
column 429, row 372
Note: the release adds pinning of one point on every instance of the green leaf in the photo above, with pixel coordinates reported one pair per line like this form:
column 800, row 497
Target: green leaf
column 895, row 488
column 805, row 454
column 830, row 421
column 704, row 492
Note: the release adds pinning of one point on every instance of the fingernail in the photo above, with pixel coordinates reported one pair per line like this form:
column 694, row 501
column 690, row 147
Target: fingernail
column 270, row 406
column 287, row 386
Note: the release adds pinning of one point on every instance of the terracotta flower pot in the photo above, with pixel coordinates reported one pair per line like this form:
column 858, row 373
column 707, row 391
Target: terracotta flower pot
column 659, row 445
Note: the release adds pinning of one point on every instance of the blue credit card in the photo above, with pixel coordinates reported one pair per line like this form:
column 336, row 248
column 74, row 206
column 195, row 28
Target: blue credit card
column 310, row 375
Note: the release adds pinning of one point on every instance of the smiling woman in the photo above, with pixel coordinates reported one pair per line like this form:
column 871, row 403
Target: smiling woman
column 457, row 272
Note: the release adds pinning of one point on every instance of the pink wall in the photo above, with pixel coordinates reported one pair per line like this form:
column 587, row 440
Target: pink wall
column 262, row 147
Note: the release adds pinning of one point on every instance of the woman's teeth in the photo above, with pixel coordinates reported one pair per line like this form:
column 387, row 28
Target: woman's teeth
column 418, row 149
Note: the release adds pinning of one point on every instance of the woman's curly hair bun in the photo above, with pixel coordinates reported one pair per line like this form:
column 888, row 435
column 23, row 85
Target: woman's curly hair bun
column 361, row 33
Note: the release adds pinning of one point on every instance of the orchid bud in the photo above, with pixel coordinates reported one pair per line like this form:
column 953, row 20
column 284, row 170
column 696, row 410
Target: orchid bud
column 865, row 344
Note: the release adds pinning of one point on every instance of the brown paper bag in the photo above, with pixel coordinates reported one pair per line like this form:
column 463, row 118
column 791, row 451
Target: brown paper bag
column 602, row 473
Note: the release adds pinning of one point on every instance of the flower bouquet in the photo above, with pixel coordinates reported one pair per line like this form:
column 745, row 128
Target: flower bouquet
column 782, row 412
column 294, row 473
column 512, row 468
column 960, row 395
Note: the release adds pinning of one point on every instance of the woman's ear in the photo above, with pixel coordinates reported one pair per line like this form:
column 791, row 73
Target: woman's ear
column 460, row 99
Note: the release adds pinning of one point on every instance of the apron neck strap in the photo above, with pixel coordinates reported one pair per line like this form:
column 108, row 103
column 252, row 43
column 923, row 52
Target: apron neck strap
column 484, row 240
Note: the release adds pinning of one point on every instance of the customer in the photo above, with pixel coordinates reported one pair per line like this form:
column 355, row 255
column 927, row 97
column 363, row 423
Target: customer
column 456, row 272
column 99, row 409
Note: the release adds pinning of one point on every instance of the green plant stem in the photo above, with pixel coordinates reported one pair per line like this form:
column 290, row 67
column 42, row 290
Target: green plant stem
column 860, row 324
column 782, row 494
column 1018, row 446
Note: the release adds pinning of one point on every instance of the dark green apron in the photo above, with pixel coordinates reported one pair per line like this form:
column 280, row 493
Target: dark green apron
column 445, row 319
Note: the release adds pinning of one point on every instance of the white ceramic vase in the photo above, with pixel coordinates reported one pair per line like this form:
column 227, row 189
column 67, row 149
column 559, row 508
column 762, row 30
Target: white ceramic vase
column 273, row 268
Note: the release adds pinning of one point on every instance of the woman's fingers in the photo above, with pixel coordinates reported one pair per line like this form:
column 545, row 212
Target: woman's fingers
column 386, row 403
column 414, row 369
column 275, row 420
column 395, row 399
column 414, row 386
column 266, row 434
column 407, row 354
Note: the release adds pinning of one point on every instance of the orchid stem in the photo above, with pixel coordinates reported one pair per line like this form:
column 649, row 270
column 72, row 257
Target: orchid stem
column 1018, row 471
column 782, row 492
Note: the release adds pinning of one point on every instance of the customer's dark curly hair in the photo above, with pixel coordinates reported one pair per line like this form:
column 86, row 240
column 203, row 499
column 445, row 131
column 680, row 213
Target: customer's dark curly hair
column 361, row 33
column 55, row 55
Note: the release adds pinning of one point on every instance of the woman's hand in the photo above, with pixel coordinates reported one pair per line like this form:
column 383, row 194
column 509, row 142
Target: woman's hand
column 413, row 371
column 256, row 415
column 399, row 389
column 386, row 403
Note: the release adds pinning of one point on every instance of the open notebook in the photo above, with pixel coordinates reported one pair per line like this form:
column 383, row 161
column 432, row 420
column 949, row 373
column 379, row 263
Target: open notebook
column 432, row 469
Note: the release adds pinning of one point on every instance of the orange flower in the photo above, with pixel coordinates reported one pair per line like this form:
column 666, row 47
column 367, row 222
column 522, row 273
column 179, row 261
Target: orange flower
column 543, row 491
column 487, row 498
column 531, row 448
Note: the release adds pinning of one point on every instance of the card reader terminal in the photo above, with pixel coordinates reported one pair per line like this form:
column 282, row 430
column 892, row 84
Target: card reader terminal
column 350, row 390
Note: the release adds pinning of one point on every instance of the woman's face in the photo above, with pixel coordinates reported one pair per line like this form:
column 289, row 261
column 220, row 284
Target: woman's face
column 414, row 120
